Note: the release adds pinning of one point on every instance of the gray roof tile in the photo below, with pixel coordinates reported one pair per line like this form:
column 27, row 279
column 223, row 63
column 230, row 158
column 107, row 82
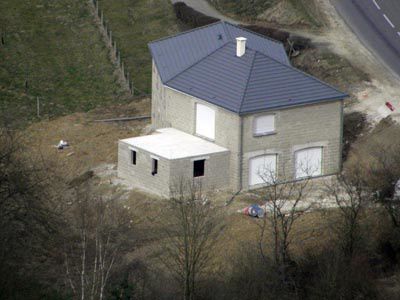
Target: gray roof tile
column 203, row 63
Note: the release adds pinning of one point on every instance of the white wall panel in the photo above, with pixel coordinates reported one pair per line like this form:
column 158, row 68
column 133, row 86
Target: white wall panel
column 205, row 121
column 309, row 162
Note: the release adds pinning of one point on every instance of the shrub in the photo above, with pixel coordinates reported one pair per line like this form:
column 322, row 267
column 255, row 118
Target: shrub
column 192, row 17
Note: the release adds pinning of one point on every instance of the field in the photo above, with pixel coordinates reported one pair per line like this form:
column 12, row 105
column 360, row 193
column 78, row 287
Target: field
column 134, row 24
column 279, row 12
column 52, row 50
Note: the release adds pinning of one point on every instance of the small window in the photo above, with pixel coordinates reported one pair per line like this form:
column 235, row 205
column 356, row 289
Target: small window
column 133, row 157
column 198, row 168
column 154, row 167
column 264, row 125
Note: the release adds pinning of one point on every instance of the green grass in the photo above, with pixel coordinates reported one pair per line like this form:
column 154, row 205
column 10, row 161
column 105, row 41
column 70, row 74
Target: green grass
column 249, row 10
column 243, row 8
column 134, row 24
column 56, row 47
column 308, row 10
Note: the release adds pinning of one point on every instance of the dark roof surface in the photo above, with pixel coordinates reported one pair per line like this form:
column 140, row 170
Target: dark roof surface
column 203, row 63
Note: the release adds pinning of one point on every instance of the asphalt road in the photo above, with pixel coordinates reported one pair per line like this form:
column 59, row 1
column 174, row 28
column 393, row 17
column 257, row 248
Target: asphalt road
column 377, row 24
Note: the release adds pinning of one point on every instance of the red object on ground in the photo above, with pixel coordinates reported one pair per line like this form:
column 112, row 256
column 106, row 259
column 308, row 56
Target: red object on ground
column 246, row 211
column 390, row 106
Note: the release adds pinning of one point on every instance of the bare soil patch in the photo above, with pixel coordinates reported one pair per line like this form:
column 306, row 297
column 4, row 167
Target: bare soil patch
column 91, row 143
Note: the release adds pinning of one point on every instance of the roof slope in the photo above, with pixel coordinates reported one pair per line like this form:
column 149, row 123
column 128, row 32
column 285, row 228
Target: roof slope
column 203, row 63
column 174, row 54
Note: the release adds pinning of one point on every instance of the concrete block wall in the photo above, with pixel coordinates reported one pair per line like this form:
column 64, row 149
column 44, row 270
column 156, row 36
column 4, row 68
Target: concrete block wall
column 171, row 172
column 178, row 110
column 158, row 103
column 297, row 128
column 216, row 172
column 181, row 114
column 139, row 175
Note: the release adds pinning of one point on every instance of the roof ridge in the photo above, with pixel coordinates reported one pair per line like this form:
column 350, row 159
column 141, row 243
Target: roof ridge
column 184, row 32
column 248, row 80
column 304, row 73
column 226, row 30
column 197, row 62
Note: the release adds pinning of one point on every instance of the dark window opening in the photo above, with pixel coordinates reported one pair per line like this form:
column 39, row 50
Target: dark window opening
column 133, row 157
column 154, row 169
column 198, row 168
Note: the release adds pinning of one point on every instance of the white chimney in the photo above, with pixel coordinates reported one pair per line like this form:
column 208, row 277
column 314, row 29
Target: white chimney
column 240, row 46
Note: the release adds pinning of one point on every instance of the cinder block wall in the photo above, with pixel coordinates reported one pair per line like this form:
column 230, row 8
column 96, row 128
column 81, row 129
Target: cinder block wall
column 216, row 172
column 139, row 175
column 171, row 108
column 297, row 128
column 171, row 172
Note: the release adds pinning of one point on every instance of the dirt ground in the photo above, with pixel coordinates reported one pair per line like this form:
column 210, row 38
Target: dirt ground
column 91, row 143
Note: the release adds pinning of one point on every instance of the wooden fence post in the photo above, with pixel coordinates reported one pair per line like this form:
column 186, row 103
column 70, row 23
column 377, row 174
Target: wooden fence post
column 115, row 52
column 37, row 107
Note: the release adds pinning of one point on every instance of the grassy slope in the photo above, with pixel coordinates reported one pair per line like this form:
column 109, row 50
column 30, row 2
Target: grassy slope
column 243, row 8
column 134, row 24
column 308, row 10
column 56, row 46
column 249, row 10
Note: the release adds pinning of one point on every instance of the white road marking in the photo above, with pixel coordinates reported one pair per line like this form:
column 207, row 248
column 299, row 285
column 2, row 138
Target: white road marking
column 388, row 20
column 376, row 4
column 398, row 33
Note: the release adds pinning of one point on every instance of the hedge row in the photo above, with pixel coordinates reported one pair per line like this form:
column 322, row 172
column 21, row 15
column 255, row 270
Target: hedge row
column 192, row 17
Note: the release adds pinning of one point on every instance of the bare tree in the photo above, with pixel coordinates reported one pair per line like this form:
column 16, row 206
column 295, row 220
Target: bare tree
column 284, row 203
column 101, row 234
column 28, row 223
column 191, row 232
column 383, row 175
column 377, row 156
column 352, row 195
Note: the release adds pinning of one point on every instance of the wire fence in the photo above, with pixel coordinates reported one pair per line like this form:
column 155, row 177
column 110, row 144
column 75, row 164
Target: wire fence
column 115, row 52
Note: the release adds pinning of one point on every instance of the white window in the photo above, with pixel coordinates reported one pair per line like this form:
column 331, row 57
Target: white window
column 264, row 124
column 205, row 121
column 308, row 162
column 262, row 169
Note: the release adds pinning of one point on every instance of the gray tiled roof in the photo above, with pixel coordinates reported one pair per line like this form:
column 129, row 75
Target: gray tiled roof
column 203, row 63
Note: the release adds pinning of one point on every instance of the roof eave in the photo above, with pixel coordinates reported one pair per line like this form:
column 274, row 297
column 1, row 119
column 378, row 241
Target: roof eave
column 285, row 106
